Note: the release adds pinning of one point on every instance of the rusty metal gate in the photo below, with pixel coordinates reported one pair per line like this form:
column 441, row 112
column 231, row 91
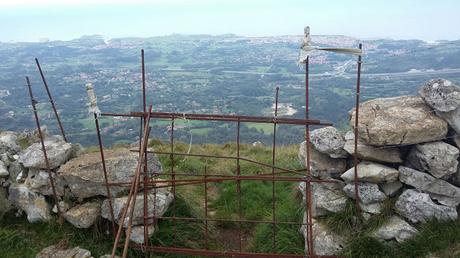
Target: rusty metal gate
column 143, row 180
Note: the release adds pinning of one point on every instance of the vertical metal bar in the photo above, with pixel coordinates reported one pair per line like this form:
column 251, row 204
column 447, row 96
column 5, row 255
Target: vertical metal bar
column 308, row 199
column 173, row 178
column 51, row 100
column 206, row 207
column 146, row 176
column 104, row 169
column 355, row 155
column 238, row 184
column 273, row 173
column 42, row 142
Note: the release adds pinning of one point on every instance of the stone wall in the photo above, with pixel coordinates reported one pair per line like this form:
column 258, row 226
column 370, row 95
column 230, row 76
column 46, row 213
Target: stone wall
column 408, row 151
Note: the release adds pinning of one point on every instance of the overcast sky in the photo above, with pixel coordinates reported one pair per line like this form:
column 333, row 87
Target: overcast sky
column 30, row 20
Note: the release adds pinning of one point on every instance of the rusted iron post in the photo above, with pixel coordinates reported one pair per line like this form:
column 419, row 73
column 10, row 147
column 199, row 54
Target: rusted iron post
column 173, row 178
column 238, row 184
column 308, row 198
column 42, row 142
column 51, row 100
column 273, row 172
column 206, row 207
column 355, row 154
column 104, row 169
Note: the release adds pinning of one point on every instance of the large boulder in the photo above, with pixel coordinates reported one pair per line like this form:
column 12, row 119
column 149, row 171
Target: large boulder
column 162, row 201
column 55, row 251
column 436, row 158
column 325, row 241
column 85, row 177
column 328, row 140
column 438, row 189
column 395, row 228
column 371, row 172
column 322, row 165
column 418, row 207
column 367, row 152
column 34, row 204
column 398, row 120
column 368, row 193
column 444, row 97
column 326, row 197
column 38, row 181
column 9, row 142
column 83, row 216
column 57, row 150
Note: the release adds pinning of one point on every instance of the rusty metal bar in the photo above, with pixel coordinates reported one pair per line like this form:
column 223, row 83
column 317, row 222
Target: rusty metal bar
column 355, row 154
column 232, row 220
column 131, row 192
column 104, row 170
column 42, row 142
column 273, row 173
column 238, row 184
column 173, row 178
column 308, row 199
column 224, row 118
column 51, row 100
column 206, row 232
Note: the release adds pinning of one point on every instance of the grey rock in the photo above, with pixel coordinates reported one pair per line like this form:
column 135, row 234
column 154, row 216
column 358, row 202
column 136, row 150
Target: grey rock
column 368, row 152
column 57, row 150
column 395, row 228
column 34, row 204
column 3, row 170
column 438, row 189
column 368, row 193
column 84, row 175
column 55, row 251
column 137, row 233
column 436, row 158
column 398, row 120
column 418, row 207
column 38, row 181
column 390, row 189
column 5, row 204
column 444, row 97
column 322, row 165
column 17, row 172
column 9, row 142
column 162, row 201
column 372, row 208
column 326, row 197
column 328, row 140
column 371, row 172
column 325, row 241
column 63, row 206
column 83, row 216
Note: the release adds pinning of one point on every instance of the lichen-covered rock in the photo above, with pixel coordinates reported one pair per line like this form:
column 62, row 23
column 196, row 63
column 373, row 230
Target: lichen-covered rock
column 436, row 158
column 325, row 241
column 3, row 170
column 137, row 233
column 162, row 201
column 398, row 120
column 38, row 181
column 321, row 165
column 57, row 150
column 395, row 228
column 368, row 193
column 368, row 152
column 390, row 189
column 418, row 207
column 372, row 208
column 327, row 197
column 328, row 140
column 34, row 204
column 83, row 216
column 55, row 251
column 444, row 97
column 371, row 172
column 85, row 177
column 438, row 189
column 9, row 142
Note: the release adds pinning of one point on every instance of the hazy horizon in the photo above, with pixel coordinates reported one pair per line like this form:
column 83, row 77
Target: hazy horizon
column 30, row 21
